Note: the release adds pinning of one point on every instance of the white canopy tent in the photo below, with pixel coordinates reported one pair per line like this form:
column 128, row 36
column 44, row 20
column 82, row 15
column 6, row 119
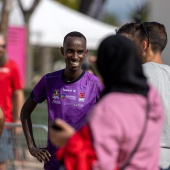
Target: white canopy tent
column 51, row 21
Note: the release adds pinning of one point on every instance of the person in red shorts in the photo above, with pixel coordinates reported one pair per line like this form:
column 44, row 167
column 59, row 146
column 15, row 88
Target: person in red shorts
column 11, row 100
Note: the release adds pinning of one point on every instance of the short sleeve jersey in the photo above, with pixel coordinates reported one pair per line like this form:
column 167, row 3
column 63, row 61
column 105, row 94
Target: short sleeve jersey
column 68, row 101
column 10, row 81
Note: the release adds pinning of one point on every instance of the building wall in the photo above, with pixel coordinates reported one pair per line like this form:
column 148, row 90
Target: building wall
column 160, row 12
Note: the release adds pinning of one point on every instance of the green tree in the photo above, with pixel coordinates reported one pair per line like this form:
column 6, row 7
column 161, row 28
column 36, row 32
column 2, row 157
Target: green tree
column 140, row 14
column 74, row 4
column 6, row 8
column 27, row 15
column 110, row 19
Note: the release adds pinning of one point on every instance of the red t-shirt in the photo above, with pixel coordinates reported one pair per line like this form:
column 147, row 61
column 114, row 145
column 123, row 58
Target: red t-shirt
column 10, row 81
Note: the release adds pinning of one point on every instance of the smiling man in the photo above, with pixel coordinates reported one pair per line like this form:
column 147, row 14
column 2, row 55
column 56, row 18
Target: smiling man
column 70, row 94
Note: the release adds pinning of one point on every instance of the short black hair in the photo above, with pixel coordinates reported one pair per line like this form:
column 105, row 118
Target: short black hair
column 74, row 34
column 156, row 33
column 128, row 28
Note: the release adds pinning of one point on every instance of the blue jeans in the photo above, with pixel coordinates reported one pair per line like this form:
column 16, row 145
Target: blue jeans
column 6, row 146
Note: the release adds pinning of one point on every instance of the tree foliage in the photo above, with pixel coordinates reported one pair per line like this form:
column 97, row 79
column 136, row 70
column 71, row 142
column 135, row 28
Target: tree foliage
column 6, row 7
column 140, row 14
column 27, row 15
column 110, row 19
column 74, row 4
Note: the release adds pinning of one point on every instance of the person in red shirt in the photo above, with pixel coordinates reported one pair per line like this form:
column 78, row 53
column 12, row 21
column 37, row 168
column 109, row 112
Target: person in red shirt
column 11, row 100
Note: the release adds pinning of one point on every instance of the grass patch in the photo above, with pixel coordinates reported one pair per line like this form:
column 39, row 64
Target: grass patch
column 40, row 114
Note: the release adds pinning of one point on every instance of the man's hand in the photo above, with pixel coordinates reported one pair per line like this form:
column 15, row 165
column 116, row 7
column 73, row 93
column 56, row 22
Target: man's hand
column 60, row 137
column 41, row 154
column 18, row 130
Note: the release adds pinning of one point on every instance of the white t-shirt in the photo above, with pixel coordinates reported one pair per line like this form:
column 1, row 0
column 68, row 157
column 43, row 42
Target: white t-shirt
column 159, row 76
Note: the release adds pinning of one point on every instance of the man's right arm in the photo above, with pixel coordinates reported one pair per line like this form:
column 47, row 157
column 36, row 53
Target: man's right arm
column 41, row 154
column 2, row 120
column 26, row 111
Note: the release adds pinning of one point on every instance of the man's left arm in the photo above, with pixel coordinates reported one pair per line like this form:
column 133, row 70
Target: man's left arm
column 17, row 92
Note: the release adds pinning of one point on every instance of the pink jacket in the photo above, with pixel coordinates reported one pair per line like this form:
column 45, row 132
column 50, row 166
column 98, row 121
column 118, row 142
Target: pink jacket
column 116, row 123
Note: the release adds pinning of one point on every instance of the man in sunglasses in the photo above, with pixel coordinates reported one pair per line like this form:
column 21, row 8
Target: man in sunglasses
column 151, row 39
column 11, row 101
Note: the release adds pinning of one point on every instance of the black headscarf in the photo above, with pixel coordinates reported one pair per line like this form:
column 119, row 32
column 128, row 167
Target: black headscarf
column 120, row 67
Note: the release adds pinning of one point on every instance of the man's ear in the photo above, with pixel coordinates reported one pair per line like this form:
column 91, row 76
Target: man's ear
column 144, row 45
column 62, row 50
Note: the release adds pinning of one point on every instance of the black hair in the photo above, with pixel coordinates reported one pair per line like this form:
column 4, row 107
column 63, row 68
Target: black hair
column 156, row 33
column 128, row 28
column 74, row 34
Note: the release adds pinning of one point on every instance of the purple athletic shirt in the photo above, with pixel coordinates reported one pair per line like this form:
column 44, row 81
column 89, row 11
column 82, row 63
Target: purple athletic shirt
column 68, row 101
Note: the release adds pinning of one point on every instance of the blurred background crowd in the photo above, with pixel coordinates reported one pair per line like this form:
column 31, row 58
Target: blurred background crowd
column 35, row 28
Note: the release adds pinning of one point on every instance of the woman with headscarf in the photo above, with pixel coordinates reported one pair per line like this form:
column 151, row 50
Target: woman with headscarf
column 124, row 128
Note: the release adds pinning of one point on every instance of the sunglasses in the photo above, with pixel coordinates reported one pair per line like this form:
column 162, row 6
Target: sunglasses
column 145, row 32
column 3, row 46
